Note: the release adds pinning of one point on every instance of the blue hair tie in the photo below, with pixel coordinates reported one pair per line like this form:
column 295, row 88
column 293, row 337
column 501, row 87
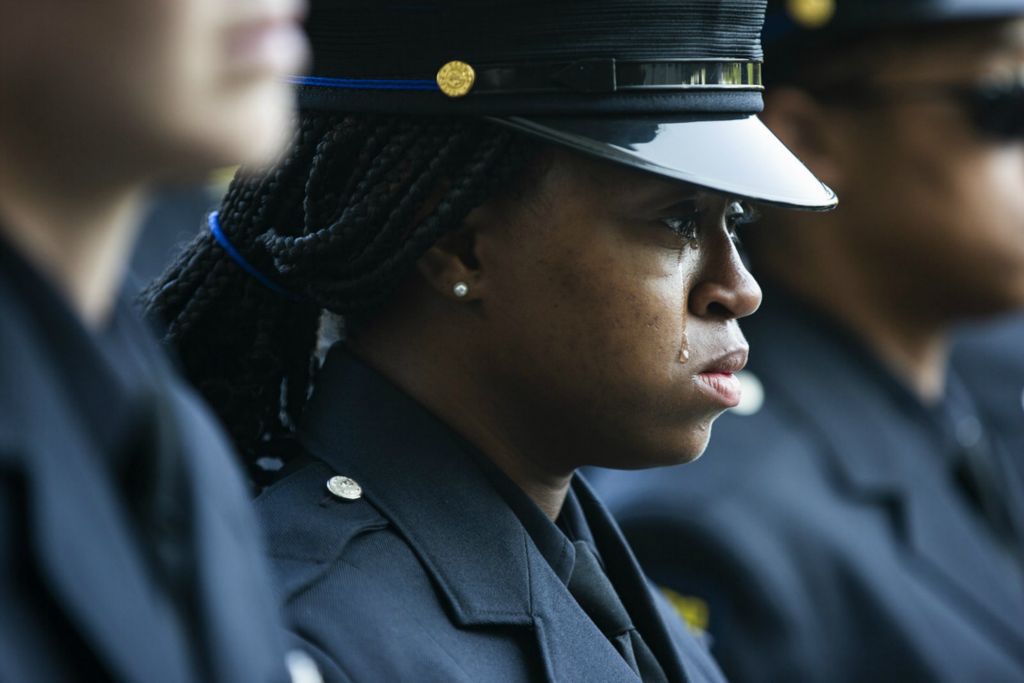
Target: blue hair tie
column 236, row 256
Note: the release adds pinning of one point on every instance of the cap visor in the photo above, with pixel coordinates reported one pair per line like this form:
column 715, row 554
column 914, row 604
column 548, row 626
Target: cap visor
column 732, row 154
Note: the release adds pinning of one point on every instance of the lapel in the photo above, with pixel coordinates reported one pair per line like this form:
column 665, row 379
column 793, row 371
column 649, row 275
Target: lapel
column 234, row 599
column 874, row 444
column 86, row 549
column 426, row 482
column 83, row 543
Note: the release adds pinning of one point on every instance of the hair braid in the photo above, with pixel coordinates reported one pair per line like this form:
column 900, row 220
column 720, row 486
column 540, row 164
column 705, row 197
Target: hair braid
column 340, row 222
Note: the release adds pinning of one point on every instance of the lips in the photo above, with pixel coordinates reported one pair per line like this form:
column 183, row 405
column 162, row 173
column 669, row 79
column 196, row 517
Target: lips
column 728, row 363
column 718, row 378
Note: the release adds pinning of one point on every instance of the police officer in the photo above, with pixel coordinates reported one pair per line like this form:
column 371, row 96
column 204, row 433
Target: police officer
column 511, row 223
column 128, row 550
column 863, row 521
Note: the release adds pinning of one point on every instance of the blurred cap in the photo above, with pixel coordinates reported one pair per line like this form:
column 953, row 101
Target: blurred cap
column 667, row 86
column 793, row 23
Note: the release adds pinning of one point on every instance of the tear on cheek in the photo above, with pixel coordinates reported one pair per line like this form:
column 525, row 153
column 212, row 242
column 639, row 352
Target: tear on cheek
column 684, row 342
column 684, row 347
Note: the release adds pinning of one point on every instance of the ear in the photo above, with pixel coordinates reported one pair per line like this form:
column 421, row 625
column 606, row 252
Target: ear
column 809, row 129
column 453, row 260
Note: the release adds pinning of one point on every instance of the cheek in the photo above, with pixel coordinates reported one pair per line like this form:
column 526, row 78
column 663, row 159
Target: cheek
column 626, row 306
column 954, row 227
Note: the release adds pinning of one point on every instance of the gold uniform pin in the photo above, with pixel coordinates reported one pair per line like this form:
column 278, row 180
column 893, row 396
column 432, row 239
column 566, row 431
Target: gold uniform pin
column 811, row 13
column 456, row 78
column 693, row 610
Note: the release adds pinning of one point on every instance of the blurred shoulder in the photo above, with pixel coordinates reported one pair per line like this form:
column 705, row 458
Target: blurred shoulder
column 764, row 455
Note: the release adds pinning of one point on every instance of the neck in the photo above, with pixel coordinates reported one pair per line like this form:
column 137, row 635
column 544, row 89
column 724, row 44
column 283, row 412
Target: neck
column 913, row 345
column 448, row 391
column 78, row 235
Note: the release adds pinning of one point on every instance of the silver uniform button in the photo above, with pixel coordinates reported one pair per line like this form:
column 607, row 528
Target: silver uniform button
column 344, row 488
column 302, row 668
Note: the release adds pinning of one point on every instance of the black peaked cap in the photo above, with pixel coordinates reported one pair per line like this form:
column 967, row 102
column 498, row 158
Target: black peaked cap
column 668, row 86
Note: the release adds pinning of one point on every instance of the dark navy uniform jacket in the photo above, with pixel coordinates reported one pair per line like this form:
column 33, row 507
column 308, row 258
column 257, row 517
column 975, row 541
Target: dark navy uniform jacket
column 828, row 533
column 991, row 360
column 128, row 549
column 432, row 575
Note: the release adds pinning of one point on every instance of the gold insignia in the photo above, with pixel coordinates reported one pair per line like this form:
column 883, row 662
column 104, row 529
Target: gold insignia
column 811, row 13
column 694, row 611
column 456, row 78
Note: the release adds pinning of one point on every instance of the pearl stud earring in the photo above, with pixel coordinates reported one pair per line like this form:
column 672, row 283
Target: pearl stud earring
column 461, row 289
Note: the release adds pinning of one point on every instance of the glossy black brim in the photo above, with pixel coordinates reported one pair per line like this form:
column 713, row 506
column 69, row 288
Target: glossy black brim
column 732, row 154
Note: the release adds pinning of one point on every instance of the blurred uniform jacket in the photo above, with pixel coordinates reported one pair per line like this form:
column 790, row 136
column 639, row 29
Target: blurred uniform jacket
column 837, row 534
column 128, row 550
column 991, row 361
column 437, row 573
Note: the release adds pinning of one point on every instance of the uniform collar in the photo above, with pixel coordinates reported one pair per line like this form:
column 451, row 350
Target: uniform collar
column 428, row 483
column 553, row 544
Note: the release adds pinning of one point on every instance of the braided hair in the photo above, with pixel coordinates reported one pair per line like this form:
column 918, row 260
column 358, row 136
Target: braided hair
column 340, row 223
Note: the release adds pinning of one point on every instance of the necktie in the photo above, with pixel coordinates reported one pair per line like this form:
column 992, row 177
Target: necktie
column 596, row 595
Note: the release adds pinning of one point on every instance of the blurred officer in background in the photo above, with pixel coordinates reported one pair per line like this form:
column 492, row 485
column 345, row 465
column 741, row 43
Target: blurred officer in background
column 127, row 547
column 990, row 358
column 865, row 523
column 521, row 212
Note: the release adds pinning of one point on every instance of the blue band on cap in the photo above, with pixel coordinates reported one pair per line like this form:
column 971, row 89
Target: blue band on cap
column 236, row 256
column 364, row 83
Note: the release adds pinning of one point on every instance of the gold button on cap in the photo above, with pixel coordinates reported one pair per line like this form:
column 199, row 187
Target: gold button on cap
column 811, row 13
column 344, row 488
column 456, row 78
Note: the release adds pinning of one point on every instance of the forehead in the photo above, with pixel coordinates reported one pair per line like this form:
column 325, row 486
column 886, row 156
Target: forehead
column 598, row 181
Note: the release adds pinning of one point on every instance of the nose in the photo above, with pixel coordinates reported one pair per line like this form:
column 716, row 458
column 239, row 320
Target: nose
column 725, row 289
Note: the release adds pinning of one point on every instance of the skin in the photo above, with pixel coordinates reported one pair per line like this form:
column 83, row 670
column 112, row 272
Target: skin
column 100, row 100
column 930, row 231
column 567, row 351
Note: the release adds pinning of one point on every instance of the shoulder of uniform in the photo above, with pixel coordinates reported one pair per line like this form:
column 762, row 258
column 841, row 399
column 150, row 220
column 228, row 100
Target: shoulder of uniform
column 307, row 527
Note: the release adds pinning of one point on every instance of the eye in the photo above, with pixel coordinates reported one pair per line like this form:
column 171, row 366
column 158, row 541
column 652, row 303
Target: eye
column 685, row 226
column 740, row 213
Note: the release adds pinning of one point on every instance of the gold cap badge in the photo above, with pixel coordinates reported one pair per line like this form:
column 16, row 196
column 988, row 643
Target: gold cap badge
column 456, row 78
column 811, row 13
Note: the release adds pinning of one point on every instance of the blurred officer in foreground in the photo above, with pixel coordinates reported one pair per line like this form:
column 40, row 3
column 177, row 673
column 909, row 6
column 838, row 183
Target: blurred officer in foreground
column 127, row 548
column 865, row 524
column 521, row 295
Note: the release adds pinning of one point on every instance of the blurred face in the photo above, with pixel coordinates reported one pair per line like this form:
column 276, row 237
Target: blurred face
column 610, row 313
column 932, row 202
column 153, row 86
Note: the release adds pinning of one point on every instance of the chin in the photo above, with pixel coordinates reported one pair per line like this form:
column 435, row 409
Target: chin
column 678, row 448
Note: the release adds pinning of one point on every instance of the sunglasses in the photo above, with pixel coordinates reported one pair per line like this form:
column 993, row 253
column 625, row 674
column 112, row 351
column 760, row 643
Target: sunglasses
column 995, row 109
